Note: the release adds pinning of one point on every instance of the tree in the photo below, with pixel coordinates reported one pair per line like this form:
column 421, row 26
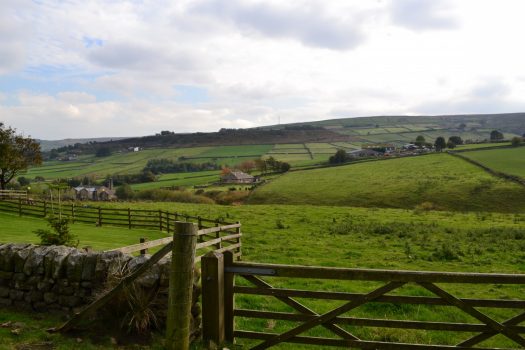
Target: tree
column 23, row 181
column 440, row 144
column 17, row 153
column 285, row 167
column 103, row 152
column 456, row 140
column 339, row 157
column 495, row 135
column 420, row 141
column 124, row 192
column 451, row 144
column 516, row 141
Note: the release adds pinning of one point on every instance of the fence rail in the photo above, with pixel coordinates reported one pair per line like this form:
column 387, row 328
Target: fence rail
column 223, row 270
column 12, row 194
column 226, row 238
column 123, row 217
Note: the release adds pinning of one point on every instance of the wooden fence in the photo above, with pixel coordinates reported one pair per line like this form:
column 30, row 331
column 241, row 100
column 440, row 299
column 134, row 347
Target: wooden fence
column 12, row 194
column 218, row 239
column 219, row 311
column 123, row 217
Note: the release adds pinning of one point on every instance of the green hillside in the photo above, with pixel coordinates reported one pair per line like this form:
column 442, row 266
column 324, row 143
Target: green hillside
column 445, row 181
column 507, row 160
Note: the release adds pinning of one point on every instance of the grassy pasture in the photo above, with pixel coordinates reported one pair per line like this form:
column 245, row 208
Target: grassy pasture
column 181, row 179
column 481, row 145
column 288, row 145
column 506, row 160
column 447, row 182
column 345, row 237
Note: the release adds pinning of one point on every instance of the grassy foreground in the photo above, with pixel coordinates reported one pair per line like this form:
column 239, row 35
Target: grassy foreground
column 354, row 237
column 444, row 181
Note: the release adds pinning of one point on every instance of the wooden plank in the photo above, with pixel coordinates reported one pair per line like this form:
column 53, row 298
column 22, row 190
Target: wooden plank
column 356, row 344
column 496, row 326
column 104, row 299
column 228, row 248
column 217, row 229
column 217, row 240
column 180, row 290
column 381, row 323
column 401, row 299
column 229, row 299
column 486, row 335
column 212, row 265
column 384, row 275
column 300, row 307
column 328, row 316
column 139, row 246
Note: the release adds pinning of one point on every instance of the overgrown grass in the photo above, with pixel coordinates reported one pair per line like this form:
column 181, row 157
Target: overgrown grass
column 447, row 182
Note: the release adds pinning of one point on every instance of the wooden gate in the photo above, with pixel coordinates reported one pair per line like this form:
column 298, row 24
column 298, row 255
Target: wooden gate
column 219, row 312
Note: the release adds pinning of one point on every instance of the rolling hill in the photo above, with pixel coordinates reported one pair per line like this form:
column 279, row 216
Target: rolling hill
column 441, row 181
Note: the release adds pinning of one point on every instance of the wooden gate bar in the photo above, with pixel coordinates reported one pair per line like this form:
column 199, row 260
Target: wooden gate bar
column 301, row 308
column 357, row 344
column 498, row 327
column 329, row 315
column 484, row 336
column 402, row 299
column 378, row 275
column 381, row 323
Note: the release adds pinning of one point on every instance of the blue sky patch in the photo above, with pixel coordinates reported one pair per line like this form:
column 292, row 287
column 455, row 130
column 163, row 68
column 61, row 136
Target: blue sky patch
column 191, row 94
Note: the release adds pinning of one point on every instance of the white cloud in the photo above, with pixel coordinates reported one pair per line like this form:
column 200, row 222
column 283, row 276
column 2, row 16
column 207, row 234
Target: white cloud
column 114, row 68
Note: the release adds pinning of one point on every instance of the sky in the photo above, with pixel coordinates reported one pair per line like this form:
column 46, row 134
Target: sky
column 76, row 69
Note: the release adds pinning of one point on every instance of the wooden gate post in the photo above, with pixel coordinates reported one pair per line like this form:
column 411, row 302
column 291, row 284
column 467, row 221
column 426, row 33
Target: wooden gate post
column 212, row 265
column 229, row 299
column 181, row 286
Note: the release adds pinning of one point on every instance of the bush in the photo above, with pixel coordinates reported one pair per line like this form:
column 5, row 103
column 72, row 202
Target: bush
column 61, row 234
column 125, row 192
column 447, row 252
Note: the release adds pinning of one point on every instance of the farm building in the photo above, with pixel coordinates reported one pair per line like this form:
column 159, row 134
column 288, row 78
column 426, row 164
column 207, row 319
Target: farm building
column 237, row 177
column 361, row 153
column 94, row 193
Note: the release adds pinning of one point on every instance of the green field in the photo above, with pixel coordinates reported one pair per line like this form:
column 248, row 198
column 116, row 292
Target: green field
column 443, row 180
column 374, row 238
column 507, row 160
column 181, row 179
column 481, row 145
column 343, row 237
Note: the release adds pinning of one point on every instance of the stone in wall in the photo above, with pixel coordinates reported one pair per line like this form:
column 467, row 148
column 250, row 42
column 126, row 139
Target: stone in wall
column 63, row 279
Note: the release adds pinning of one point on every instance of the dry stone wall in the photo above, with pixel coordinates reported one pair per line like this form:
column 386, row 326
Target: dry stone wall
column 63, row 279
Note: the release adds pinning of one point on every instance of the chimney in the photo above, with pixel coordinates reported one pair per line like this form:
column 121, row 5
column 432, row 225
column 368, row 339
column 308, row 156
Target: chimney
column 110, row 183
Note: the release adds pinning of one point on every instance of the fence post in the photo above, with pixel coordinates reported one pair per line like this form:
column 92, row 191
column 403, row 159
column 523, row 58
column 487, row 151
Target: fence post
column 239, row 250
column 181, row 286
column 99, row 216
column 142, row 240
column 229, row 300
column 160, row 219
column 218, row 235
column 73, row 212
column 168, row 221
column 212, row 265
column 129, row 218
column 19, row 206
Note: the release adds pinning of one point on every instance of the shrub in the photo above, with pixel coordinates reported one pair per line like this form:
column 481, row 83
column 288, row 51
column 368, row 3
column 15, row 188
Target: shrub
column 125, row 192
column 61, row 234
column 447, row 252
